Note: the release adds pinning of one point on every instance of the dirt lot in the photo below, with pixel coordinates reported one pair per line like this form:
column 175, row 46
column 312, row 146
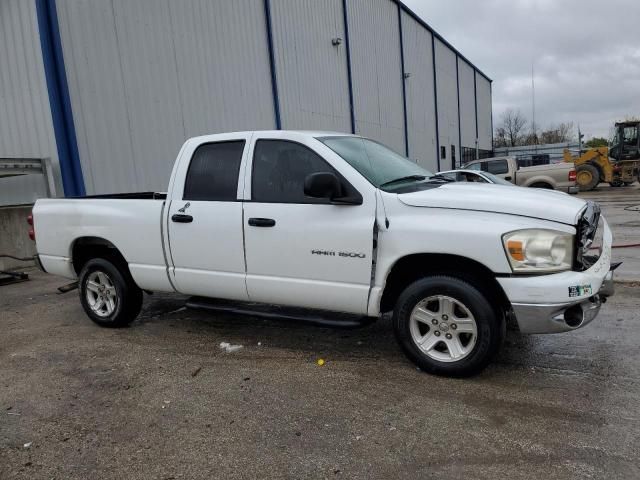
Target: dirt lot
column 161, row 400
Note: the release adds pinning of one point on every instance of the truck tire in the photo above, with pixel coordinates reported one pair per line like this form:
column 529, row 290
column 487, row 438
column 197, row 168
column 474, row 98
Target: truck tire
column 108, row 294
column 587, row 177
column 446, row 326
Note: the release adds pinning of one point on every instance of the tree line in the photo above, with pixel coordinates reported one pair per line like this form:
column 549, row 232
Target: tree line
column 514, row 130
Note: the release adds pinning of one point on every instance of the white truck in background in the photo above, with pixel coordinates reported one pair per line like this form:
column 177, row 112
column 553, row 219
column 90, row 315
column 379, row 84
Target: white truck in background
column 338, row 223
column 553, row 176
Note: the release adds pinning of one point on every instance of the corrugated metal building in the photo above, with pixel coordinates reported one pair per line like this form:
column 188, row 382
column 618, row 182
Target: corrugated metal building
column 109, row 89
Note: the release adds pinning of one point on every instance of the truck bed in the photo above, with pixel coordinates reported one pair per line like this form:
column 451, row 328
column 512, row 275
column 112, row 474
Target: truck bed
column 129, row 222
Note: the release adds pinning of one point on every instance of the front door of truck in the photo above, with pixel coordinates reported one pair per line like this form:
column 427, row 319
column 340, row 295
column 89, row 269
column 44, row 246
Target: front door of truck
column 304, row 251
column 204, row 221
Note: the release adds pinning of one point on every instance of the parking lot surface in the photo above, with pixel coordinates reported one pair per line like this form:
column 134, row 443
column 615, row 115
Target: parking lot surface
column 162, row 400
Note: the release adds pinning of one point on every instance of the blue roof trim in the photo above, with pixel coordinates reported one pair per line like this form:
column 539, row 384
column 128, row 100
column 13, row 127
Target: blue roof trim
column 459, row 123
column 475, row 103
column 347, row 45
column 272, row 65
column 435, row 97
column 404, row 85
column 59, row 99
column 439, row 37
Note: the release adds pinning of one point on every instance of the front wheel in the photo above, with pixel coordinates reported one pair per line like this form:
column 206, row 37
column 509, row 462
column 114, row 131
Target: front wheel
column 446, row 326
column 108, row 294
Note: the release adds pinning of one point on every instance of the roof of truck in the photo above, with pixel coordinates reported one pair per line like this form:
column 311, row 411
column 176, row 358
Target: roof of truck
column 312, row 133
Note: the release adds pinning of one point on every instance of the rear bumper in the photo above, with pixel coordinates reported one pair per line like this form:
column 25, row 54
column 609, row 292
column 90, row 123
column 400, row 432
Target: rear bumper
column 36, row 258
column 573, row 189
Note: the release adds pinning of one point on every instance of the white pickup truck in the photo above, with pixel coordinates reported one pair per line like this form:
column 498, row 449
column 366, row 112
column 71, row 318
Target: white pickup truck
column 554, row 176
column 338, row 223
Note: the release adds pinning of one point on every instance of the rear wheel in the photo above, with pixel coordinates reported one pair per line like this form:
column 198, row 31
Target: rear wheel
column 446, row 326
column 108, row 294
column 587, row 177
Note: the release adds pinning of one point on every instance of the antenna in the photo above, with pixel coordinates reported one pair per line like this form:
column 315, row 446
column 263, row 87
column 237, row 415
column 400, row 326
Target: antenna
column 533, row 105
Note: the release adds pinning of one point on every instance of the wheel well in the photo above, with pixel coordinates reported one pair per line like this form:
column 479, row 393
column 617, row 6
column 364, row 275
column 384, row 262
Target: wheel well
column 413, row 267
column 87, row 248
column 541, row 185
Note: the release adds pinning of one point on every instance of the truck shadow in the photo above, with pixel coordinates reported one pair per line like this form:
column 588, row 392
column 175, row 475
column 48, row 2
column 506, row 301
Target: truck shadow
column 375, row 341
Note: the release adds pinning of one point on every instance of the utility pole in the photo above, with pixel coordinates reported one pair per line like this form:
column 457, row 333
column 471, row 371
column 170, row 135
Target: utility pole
column 533, row 105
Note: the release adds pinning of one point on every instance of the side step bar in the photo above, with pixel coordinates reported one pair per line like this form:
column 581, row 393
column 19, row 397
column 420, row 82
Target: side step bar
column 318, row 318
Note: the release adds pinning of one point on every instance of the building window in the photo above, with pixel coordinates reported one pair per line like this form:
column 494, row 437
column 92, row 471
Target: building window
column 468, row 154
column 443, row 152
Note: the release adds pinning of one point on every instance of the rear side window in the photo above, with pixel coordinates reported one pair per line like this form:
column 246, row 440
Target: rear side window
column 279, row 170
column 213, row 172
column 496, row 167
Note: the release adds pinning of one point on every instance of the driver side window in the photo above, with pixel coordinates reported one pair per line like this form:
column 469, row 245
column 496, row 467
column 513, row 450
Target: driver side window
column 279, row 170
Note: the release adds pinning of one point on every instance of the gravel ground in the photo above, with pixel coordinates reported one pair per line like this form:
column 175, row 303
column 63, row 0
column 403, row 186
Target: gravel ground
column 161, row 400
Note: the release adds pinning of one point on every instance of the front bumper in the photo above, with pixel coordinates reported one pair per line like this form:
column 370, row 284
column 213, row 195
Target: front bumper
column 564, row 301
column 558, row 318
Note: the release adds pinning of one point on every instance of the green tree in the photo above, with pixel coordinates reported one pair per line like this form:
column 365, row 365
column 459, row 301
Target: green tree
column 596, row 142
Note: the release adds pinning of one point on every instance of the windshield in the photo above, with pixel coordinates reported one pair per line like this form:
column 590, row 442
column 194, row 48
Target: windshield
column 383, row 167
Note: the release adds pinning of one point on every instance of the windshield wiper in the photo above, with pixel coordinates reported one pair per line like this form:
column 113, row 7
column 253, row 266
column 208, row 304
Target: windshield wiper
column 402, row 179
column 437, row 176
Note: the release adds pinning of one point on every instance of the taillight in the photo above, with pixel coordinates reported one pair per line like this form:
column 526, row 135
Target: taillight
column 32, row 232
column 572, row 176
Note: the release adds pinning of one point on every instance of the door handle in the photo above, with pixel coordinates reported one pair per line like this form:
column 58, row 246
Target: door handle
column 508, row 179
column 181, row 218
column 262, row 222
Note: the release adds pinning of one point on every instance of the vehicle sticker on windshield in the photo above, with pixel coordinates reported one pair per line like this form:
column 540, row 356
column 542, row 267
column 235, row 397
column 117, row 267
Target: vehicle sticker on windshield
column 580, row 290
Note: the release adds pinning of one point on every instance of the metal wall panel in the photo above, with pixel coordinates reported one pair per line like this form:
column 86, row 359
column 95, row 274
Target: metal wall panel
column 467, row 105
column 377, row 70
column 26, row 127
column 447, row 86
column 485, row 135
column 223, row 65
column 313, row 83
column 145, row 75
column 421, row 116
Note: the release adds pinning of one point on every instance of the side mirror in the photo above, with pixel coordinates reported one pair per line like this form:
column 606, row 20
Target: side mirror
column 322, row 185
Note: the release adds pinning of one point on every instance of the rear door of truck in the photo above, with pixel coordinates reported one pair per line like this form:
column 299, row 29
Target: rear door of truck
column 204, row 221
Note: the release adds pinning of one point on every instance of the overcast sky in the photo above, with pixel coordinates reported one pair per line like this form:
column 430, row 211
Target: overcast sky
column 586, row 55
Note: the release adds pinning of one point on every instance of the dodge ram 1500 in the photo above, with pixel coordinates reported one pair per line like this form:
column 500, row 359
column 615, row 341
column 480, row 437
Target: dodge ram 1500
column 338, row 223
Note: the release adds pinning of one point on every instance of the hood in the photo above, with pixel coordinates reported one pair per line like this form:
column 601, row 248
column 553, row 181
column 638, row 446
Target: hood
column 528, row 202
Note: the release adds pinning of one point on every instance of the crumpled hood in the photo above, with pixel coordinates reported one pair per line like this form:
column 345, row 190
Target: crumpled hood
column 529, row 202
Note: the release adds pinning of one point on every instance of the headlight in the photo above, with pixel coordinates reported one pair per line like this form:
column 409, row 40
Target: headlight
column 538, row 251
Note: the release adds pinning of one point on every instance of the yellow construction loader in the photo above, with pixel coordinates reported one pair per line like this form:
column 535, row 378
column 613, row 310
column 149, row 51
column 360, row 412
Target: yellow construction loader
column 617, row 164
